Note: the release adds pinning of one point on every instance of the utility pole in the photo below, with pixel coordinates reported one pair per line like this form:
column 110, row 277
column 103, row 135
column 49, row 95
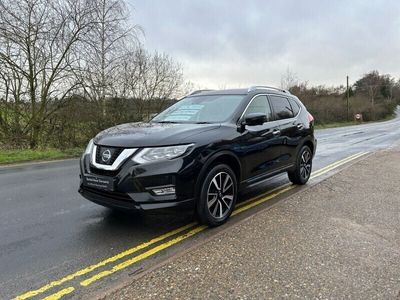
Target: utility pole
column 348, row 108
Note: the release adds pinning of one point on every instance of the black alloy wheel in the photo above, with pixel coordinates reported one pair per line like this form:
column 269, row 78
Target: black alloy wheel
column 303, row 169
column 217, row 196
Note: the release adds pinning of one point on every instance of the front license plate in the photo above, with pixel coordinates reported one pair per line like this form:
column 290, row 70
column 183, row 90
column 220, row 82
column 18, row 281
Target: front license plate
column 102, row 183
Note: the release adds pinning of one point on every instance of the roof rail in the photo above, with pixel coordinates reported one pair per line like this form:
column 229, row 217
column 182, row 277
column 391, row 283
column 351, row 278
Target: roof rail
column 199, row 91
column 256, row 87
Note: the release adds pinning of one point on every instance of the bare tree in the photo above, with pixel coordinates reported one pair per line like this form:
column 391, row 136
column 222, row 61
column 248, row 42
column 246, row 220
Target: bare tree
column 11, row 92
column 377, row 87
column 135, row 67
column 289, row 79
column 105, row 50
column 150, row 77
column 38, row 39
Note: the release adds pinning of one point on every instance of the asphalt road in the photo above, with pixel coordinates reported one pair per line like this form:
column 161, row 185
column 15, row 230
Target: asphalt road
column 47, row 230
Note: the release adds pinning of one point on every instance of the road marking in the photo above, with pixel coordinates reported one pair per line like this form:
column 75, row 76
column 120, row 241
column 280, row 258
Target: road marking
column 144, row 255
column 337, row 164
column 195, row 229
column 170, row 243
column 313, row 175
column 103, row 262
column 60, row 294
column 263, row 194
column 262, row 200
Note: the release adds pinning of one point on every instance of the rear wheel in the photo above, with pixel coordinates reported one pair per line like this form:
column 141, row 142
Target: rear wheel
column 218, row 195
column 302, row 172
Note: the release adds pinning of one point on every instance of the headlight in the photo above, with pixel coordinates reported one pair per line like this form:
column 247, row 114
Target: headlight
column 162, row 153
column 89, row 147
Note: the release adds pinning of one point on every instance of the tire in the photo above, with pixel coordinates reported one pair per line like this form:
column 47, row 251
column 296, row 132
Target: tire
column 302, row 172
column 217, row 197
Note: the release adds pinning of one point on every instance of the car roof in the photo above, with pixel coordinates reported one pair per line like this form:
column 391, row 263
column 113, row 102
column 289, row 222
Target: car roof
column 220, row 92
column 242, row 91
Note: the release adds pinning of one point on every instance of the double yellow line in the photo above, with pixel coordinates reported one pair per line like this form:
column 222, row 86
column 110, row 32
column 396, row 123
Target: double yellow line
column 189, row 231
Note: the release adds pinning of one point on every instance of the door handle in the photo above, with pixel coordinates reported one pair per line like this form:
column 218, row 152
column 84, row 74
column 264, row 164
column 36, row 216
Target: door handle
column 276, row 132
column 300, row 126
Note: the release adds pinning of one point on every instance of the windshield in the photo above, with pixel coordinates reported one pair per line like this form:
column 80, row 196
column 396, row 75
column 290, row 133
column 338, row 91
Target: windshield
column 200, row 109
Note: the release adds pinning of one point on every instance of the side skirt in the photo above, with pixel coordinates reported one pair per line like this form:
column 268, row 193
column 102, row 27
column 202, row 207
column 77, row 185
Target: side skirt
column 263, row 177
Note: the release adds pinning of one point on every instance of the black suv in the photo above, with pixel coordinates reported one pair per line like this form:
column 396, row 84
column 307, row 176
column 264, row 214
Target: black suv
column 200, row 152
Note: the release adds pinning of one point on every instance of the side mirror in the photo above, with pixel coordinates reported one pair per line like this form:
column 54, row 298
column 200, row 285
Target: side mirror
column 255, row 119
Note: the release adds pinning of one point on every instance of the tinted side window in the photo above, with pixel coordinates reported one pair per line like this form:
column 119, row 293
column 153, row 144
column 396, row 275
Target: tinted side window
column 295, row 106
column 281, row 106
column 259, row 105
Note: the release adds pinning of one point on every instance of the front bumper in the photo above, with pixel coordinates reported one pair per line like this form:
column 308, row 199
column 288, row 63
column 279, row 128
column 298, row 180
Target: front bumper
column 133, row 184
column 124, row 202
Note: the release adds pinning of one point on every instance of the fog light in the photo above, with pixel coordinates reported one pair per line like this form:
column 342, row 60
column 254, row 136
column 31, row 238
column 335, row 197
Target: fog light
column 161, row 191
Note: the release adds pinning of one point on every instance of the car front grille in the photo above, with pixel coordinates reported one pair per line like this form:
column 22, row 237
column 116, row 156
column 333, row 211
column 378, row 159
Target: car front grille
column 103, row 152
column 101, row 172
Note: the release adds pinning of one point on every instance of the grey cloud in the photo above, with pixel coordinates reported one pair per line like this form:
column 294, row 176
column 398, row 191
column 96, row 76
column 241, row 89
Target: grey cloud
column 236, row 43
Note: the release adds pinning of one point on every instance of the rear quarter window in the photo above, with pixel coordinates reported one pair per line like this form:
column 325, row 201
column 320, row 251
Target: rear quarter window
column 281, row 107
column 295, row 106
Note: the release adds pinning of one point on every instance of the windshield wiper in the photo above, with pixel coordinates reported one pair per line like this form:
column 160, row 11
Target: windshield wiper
column 175, row 122
column 167, row 122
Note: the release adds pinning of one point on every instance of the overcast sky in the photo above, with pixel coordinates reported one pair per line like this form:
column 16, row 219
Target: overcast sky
column 231, row 43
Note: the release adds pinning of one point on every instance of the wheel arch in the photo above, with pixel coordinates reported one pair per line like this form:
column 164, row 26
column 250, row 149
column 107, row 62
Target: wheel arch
column 221, row 157
column 309, row 144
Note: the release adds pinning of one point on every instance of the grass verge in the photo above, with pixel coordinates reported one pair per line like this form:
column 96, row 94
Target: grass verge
column 350, row 123
column 16, row 156
column 337, row 124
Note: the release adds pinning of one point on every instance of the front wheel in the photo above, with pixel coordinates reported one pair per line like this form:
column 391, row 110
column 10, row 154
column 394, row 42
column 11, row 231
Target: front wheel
column 218, row 195
column 302, row 172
